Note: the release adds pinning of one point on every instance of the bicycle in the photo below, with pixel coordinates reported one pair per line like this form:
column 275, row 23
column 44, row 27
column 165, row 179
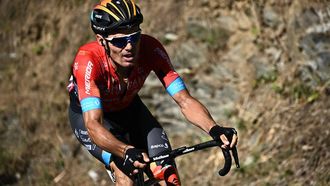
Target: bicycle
column 139, row 177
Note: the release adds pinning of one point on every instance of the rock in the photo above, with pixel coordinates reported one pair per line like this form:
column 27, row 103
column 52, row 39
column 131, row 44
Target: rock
column 228, row 94
column 249, row 161
column 190, row 55
column 270, row 17
column 171, row 36
column 265, row 72
column 94, row 175
column 274, row 54
column 307, row 19
column 228, row 22
column 243, row 21
column 214, row 37
column 316, row 68
column 241, row 47
column 220, row 73
column 204, row 3
column 66, row 150
column 203, row 91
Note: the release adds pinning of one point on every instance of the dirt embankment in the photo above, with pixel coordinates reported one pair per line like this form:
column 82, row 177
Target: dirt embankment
column 260, row 66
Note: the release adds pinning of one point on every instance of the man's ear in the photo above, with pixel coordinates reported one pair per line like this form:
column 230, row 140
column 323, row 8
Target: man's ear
column 100, row 40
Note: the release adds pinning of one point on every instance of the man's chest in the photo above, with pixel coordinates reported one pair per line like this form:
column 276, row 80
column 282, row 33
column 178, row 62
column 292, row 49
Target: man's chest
column 118, row 89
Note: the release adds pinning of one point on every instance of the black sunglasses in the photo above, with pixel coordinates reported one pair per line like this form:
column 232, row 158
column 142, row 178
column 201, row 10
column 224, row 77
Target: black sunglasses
column 122, row 41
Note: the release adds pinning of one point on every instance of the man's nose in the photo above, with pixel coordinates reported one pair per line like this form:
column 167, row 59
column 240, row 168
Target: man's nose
column 129, row 45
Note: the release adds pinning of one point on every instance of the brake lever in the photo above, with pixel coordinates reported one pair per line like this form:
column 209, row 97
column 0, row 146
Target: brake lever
column 234, row 149
column 235, row 156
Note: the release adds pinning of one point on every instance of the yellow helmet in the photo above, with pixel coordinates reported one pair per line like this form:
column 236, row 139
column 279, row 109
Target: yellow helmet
column 108, row 16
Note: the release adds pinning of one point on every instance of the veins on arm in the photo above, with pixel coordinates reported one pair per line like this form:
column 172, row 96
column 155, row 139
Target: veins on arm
column 194, row 111
column 100, row 135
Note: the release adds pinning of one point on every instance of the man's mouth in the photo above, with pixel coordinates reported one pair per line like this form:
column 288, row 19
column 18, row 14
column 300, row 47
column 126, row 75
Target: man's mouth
column 128, row 57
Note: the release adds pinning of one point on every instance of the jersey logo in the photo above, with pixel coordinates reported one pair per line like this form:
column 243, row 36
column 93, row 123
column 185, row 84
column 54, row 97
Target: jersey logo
column 88, row 73
column 75, row 66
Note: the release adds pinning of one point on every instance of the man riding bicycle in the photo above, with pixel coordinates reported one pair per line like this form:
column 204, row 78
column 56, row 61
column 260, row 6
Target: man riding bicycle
column 106, row 113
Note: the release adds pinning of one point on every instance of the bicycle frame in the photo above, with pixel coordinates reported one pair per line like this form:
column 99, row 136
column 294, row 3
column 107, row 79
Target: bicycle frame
column 185, row 150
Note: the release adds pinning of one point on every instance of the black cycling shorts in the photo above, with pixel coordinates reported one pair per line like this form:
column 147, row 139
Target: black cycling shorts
column 134, row 125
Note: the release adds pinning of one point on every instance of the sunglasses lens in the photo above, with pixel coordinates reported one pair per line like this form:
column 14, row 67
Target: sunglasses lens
column 122, row 41
column 119, row 42
column 135, row 37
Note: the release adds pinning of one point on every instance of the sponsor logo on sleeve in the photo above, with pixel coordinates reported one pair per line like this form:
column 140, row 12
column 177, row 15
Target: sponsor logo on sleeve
column 90, row 146
column 88, row 73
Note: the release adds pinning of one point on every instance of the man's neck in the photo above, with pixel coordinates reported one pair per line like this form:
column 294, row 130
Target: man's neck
column 122, row 72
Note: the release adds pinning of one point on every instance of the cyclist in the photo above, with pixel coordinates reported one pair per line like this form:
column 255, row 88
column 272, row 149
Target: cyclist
column 106, row 114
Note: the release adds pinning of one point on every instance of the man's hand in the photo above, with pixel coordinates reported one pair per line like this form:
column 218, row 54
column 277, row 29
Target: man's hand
column 228, row 136
column 135, row 159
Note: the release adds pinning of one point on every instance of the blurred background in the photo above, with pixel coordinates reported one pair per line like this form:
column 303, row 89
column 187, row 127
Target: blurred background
column 261, row 66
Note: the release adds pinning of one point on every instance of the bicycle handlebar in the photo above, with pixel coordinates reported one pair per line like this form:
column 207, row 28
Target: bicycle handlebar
column 227, row 165
column 185, row 150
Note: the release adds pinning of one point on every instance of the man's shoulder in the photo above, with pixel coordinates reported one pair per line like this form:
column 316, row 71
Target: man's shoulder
column 89, row 53
column 150, row 41
column 151, row 46
column 92, row 46
column 90, row 50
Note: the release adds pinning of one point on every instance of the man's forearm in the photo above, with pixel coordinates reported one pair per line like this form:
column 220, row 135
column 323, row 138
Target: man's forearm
column 196, row 113
column 104, row 139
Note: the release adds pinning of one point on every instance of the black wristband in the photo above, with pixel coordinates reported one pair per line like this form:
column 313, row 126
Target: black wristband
column 216, row 131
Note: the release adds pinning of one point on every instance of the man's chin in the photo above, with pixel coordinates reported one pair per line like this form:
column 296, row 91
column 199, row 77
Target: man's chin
column 128, row 63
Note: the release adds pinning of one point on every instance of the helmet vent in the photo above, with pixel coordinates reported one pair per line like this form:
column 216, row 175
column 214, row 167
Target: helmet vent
column 111, row 15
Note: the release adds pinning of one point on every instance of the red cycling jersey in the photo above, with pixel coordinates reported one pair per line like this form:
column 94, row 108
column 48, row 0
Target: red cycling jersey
column 95, row 77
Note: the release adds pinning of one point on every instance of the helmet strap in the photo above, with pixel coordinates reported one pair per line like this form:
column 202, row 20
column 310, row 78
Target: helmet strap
column 106, row 47
column 107, row 51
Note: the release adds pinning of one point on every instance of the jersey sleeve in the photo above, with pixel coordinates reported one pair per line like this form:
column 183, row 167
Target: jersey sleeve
column 164, row 70
column 86, row 72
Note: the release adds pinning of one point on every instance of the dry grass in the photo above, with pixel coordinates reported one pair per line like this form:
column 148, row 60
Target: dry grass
column 283, row 138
